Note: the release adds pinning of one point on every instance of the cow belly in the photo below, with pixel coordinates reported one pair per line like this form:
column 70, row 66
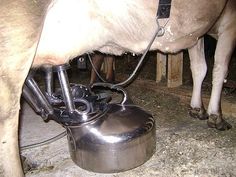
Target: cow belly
column 114, row 27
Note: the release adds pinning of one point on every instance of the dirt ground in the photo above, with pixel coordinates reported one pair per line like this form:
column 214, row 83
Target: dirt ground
column 184, row 146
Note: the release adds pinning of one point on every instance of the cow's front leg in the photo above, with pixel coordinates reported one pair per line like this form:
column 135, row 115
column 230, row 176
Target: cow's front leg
column 199, row 68
column 224, row 49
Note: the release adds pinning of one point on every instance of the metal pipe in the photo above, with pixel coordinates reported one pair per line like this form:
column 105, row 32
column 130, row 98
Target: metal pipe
column 27, row 94
column 49, row 80
column 35, row 90
column 65, row 86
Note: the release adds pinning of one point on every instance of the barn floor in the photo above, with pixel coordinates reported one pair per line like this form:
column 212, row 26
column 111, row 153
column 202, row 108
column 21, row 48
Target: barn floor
column 185, row 146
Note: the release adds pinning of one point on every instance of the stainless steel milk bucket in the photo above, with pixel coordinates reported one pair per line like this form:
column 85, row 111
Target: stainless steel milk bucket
column 121, row 138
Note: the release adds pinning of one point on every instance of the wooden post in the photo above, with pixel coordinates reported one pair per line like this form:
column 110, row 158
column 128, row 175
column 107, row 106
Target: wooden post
column 175, row 70
column 170, row 68
column 161, row 67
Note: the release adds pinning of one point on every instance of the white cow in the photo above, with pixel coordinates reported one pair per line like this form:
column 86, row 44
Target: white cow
column 37, row 32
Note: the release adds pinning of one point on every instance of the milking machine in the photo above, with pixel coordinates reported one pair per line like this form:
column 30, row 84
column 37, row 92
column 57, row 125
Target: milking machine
column 102, row 136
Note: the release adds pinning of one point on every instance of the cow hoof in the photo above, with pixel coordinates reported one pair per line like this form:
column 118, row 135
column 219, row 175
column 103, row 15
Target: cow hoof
column 26, row 164
column 216, row 121
column 198, row 113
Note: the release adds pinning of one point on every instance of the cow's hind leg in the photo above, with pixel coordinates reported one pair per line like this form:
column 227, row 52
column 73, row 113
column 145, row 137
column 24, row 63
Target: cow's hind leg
column 224, row 50
column 12, row 76
column 10, row 104
column 11, row 166
column 199, row 68
column 110, row 75
column 97, row 62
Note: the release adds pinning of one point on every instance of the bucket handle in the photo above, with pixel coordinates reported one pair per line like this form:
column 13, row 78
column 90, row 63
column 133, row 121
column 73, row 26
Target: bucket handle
column 125, row 99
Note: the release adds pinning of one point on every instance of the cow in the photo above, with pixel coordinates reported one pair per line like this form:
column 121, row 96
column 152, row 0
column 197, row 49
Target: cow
column 97, row 60
column 51, row 32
